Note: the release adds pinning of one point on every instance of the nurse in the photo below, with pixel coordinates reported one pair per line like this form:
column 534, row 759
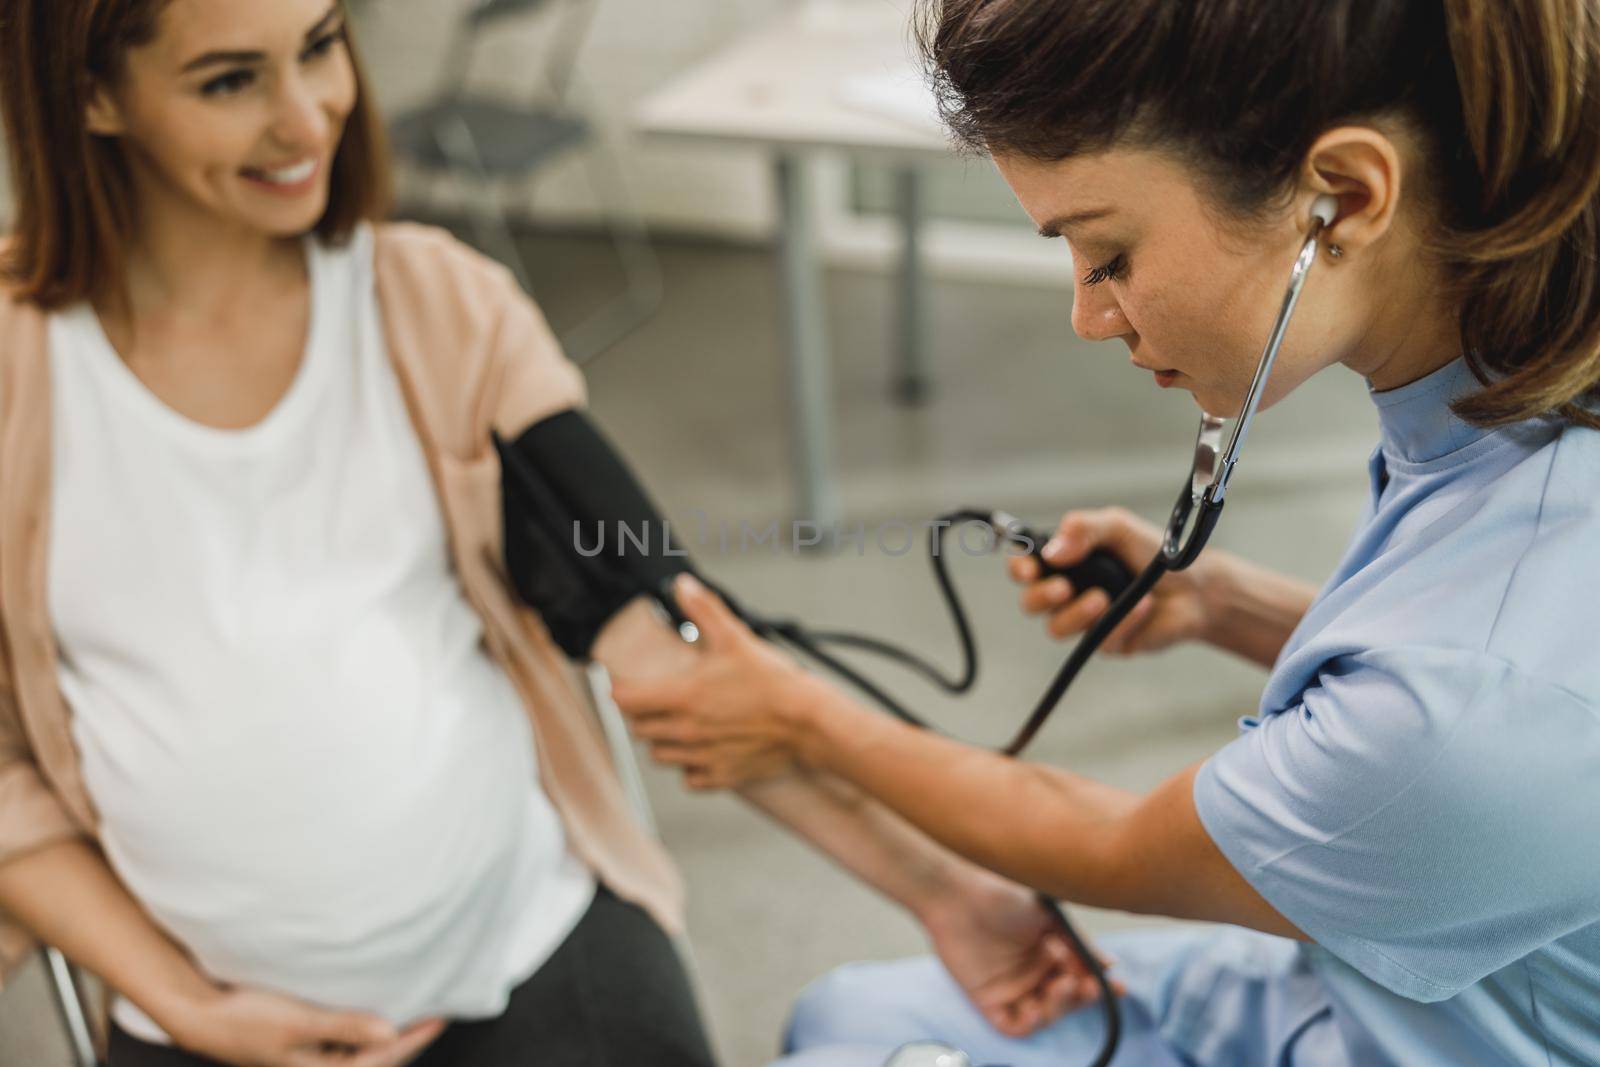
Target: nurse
column 1402, row 847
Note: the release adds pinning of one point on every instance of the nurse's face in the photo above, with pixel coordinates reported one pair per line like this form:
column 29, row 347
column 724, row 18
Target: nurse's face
column 234, row 110
column 1193, row 302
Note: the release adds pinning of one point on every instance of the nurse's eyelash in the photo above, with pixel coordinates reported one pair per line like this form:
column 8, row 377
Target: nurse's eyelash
column 1106, row 272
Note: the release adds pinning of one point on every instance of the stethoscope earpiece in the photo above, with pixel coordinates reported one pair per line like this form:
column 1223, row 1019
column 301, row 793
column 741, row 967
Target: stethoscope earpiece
column 1326, row 208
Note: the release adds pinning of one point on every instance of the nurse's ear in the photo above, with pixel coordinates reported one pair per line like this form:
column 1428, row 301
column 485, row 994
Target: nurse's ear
column 1362, row 168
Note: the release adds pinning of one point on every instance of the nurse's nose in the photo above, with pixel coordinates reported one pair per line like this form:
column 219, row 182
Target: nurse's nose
column 1097, row 317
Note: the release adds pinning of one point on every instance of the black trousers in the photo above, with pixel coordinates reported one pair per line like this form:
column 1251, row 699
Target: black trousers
column 613, row 995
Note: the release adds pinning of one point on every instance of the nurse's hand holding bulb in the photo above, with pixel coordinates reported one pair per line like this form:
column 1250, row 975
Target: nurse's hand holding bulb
column 1179, row 608
column 1222, row 600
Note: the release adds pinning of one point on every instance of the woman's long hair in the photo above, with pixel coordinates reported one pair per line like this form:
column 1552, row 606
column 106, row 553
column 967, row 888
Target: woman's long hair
column 1503, row 94
column 74, row 202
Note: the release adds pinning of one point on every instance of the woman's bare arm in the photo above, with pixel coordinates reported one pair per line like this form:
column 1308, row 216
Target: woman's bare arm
column 837, row 818
column 66, row 895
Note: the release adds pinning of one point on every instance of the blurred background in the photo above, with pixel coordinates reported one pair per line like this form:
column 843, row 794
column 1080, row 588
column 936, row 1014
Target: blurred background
column 796, row 303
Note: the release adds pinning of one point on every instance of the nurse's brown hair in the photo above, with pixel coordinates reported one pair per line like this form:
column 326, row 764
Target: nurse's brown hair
column 1504, row 96
column 73, row 199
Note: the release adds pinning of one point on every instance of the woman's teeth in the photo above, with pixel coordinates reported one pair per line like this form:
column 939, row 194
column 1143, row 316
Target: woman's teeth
column 286, row 175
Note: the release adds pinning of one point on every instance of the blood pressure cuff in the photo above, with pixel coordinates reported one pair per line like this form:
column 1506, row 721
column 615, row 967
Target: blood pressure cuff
column 582, row 538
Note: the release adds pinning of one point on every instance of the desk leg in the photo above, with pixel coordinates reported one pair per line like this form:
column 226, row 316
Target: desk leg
column 809, row 378
column 911, row 376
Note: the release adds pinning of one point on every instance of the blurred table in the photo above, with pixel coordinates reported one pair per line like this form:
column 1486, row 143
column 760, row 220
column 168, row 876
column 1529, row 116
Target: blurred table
column 831, row 77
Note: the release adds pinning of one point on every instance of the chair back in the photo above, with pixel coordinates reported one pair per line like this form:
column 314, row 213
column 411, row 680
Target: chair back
column 571, row 21
column 86, row 1042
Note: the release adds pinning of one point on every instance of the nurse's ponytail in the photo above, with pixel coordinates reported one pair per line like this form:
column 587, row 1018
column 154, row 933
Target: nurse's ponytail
column 1503, row 97
column 1527, row 253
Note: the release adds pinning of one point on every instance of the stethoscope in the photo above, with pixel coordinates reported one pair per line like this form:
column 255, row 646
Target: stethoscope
column 1189, row 527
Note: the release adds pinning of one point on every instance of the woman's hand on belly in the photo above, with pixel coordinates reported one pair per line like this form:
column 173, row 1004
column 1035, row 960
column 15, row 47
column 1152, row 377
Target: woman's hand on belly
column 256, row 1028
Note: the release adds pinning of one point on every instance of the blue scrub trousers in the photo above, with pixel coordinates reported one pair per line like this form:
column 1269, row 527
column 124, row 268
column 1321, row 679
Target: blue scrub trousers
column 1198, row 996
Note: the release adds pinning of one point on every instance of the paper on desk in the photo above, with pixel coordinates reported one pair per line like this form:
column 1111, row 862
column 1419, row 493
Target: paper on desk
column 902, row 96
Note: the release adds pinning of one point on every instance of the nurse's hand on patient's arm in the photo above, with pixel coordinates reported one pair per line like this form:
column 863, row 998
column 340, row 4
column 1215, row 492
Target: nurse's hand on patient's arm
column 724, row 716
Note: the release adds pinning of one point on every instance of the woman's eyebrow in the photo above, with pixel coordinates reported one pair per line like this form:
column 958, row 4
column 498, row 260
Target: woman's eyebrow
column 1054, row 227
column 234, row 58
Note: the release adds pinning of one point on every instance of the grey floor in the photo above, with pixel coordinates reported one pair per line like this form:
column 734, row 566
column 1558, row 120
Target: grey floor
column 1023, row 417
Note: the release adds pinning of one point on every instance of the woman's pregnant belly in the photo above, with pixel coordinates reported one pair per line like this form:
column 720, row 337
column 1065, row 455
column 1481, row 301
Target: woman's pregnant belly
column 343, row 827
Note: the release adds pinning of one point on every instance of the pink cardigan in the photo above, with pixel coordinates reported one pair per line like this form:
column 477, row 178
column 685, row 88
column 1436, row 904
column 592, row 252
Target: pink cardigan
column 470, row 351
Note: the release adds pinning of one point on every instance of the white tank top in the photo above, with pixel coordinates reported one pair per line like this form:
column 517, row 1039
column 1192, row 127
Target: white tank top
column 308, row 768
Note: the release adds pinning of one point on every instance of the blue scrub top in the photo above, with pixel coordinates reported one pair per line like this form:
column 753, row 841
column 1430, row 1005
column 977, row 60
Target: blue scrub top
column 1420, row 789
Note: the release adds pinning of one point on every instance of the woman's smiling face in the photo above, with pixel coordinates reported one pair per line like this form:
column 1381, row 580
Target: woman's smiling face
column 236, row 108
column 1155, row 270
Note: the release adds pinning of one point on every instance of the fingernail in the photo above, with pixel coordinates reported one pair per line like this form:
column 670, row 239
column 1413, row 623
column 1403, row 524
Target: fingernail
column 1060, row 588
column 1053, row 549
column 688, row 583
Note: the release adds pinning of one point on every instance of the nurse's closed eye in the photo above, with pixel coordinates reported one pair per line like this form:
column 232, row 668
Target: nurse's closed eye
column 1111, row 271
